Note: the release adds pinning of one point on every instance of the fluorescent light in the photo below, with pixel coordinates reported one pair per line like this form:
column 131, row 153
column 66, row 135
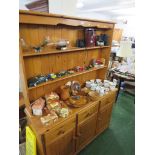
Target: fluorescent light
column 79, row 4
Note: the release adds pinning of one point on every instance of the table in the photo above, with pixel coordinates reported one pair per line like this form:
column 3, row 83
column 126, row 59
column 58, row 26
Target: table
column 121, row 78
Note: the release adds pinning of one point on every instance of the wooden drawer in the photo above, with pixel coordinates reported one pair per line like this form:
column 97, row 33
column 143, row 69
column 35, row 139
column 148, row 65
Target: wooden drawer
column 87, row 113
column 60, row 130
column 108, row 99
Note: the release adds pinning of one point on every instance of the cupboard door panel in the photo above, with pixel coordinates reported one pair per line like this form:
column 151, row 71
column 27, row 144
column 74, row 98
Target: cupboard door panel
column 108, row 99
column 103, row 118
column 64, row 145
column 86, row 131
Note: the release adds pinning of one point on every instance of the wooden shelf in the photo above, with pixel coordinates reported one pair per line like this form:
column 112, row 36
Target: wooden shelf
column 66, row 77
column 29, row 54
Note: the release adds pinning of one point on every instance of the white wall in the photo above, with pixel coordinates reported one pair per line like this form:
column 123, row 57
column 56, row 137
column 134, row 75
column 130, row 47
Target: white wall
column 129, row 28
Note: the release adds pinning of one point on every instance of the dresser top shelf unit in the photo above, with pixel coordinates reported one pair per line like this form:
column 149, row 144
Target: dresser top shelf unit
column 34, row 27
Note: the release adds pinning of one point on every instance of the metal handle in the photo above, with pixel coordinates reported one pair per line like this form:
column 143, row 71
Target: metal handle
column 87, row 115
column 75, row 138
column 100, row 119
column 61, row 132
column 79, row 134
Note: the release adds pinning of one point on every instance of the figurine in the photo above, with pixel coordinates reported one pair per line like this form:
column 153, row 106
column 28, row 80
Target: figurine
column 60, row 45
column 64, row 112
column 75, row 87
column 37, row 106
column 79, row 69
column 64, row 92
column 97, row 62
column 71, row 71
column 80, row 43
column 39, row 47
column 88, row 67
column 49, row 118
column 62, row 73
column 51, row 76
column 99, row 41
column 51, row 97
column 34, row 81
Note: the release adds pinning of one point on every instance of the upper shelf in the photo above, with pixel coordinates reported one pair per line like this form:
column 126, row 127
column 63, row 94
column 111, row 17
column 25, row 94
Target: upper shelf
column 29, row 54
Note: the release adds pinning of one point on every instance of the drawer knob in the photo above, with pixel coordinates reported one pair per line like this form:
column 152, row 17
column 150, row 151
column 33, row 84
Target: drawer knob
column 79, row 134
column 88, row 115
column 100, row 119
column 61, row 132
column 75, row 138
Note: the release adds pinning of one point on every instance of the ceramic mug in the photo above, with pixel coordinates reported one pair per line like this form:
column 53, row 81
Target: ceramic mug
column 92, row 80
column 88, row 84
column 115, row 81
column 112, row 87
column 92, row 88
column 98, row 80
column 107, row 89
column 106, row 84
column 102, row 92
column 98, row 89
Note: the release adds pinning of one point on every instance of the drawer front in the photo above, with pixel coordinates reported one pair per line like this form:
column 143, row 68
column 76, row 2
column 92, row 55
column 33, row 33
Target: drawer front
column 59, row 131
column 109, row 98
column 87, row 113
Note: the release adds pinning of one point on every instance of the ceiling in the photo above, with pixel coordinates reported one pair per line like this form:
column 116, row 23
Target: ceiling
column 117, row 10
column 113, row 9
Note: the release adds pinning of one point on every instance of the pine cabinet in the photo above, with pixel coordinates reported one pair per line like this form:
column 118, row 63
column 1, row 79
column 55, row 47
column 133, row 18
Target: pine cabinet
column 68, row 135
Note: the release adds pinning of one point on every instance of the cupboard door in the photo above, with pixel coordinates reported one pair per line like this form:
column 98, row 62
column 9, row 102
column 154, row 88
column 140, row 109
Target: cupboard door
column 86, row 131
column 103, row 118
column 64, row 145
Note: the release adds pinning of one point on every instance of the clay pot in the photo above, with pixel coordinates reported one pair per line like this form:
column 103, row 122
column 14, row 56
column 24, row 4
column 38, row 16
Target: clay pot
column 64, row 92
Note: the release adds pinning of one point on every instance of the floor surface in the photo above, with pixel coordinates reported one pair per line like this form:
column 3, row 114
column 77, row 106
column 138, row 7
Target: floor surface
column 119, row 138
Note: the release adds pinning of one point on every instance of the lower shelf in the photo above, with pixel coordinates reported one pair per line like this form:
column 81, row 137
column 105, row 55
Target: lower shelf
column 66, row 77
